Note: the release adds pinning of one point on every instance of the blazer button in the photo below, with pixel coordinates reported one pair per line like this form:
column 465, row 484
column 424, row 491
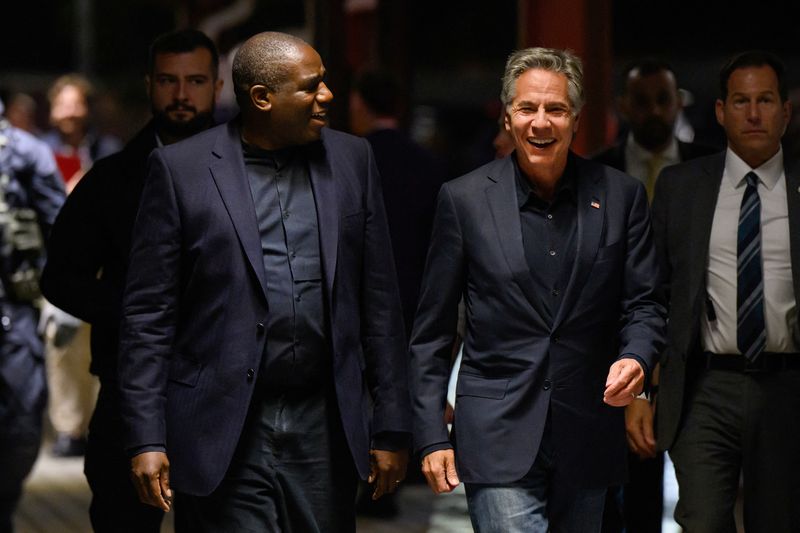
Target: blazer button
column 250, row 374
column 260, row 327
column 547, row 384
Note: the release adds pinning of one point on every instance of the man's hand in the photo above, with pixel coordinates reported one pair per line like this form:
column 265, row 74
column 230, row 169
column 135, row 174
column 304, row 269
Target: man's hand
column 150, row 475
column 625, row 380
column 639, row 428
column 387, row 469
column 439, row 468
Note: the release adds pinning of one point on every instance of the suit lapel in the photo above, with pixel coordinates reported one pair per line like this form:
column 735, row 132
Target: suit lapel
column 229, row 173
column 591, row 211
column 326, row 198
column 704, row 203
column 502, row 198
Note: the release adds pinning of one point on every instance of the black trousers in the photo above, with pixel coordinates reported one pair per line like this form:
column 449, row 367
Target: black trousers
column 115, row 506
column 736, row 424
column 637, row 507
column 292, row 472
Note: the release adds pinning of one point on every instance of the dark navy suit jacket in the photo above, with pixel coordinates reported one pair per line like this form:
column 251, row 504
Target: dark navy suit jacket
column 516, row 366
column 195, row 303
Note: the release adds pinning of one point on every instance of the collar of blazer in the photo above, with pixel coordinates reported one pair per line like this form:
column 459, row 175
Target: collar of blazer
column 230, row 176
column 502, row 199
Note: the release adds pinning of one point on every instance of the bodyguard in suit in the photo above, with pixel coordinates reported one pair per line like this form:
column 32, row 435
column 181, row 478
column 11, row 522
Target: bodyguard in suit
column 728, row 235
column 555, row 259
column 88, row 257
column 650, row 104
column 263, row 365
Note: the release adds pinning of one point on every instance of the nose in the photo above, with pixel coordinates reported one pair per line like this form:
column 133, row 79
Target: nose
column 753, row 112
column 540, row 119
column 180, row 90
column 324, row 94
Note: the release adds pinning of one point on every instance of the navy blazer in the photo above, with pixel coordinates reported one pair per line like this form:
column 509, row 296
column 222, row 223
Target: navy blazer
column 516, row 367
column 195, row 303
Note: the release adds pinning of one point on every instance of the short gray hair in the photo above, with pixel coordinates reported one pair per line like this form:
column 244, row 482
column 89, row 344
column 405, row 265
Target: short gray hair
column 264, row 59
column 558, row 61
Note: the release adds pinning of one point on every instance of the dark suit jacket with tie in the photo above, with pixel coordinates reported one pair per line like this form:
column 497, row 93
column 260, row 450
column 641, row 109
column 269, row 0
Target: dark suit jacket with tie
column 516, row 365
column 683, row 212
column 195, row 303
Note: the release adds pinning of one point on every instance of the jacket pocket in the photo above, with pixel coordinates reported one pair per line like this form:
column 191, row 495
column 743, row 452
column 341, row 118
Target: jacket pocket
column 481, row 387
column 184, row 371
column 608, row 252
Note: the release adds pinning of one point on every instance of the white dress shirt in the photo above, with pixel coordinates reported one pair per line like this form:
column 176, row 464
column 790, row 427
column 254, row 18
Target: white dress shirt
column 780, row 310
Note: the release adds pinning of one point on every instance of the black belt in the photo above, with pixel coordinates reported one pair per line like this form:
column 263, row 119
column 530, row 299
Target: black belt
column 766, row 362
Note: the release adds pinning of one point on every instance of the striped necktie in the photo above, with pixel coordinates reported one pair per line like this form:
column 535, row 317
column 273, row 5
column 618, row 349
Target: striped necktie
column 751, row 337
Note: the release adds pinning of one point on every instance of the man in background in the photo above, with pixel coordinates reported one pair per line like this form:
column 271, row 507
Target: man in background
column 650, row 104
column 88, row 256
column 410, row 177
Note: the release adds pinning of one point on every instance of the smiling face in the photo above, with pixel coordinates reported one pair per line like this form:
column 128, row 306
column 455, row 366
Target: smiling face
column 753, row 116
column 298, row 109
column 542, row 124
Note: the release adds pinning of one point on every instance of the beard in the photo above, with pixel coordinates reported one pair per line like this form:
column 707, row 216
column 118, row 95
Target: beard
column 181, row 129
column 653, row 134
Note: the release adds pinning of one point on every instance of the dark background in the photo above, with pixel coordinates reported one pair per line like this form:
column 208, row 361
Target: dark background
column 449, row 54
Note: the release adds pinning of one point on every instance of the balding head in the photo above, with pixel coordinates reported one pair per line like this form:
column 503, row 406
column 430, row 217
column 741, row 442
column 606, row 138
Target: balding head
column 264, row 59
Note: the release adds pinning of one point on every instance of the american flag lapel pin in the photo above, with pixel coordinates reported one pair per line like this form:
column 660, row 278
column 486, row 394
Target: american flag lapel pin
column 595, row 203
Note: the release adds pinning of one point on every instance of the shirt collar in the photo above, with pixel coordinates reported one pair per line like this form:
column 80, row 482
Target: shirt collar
column 279, row 158
column 768, row 173
column 566, row 185
column 636, row 152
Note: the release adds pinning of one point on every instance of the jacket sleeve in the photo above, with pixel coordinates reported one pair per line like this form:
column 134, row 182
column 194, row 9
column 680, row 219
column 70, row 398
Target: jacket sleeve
column 643, row 310
column 383, row 338
column 434, row 329
column 150, row 304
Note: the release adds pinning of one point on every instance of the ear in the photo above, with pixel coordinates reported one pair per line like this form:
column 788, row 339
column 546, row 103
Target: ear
column 507, row 120
column 575, row 125
column 259, row 97
column 719, row 110
column 147, row 85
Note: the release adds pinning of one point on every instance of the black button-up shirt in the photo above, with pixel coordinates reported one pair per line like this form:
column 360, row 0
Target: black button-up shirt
column 549, row 235
column 297, row 354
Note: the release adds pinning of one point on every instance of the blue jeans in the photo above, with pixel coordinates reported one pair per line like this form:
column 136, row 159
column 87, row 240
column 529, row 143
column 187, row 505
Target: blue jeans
column 531, row 505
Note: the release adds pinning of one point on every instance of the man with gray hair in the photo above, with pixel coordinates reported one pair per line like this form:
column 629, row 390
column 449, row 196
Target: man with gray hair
column 262, row 353
column 554, row 257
